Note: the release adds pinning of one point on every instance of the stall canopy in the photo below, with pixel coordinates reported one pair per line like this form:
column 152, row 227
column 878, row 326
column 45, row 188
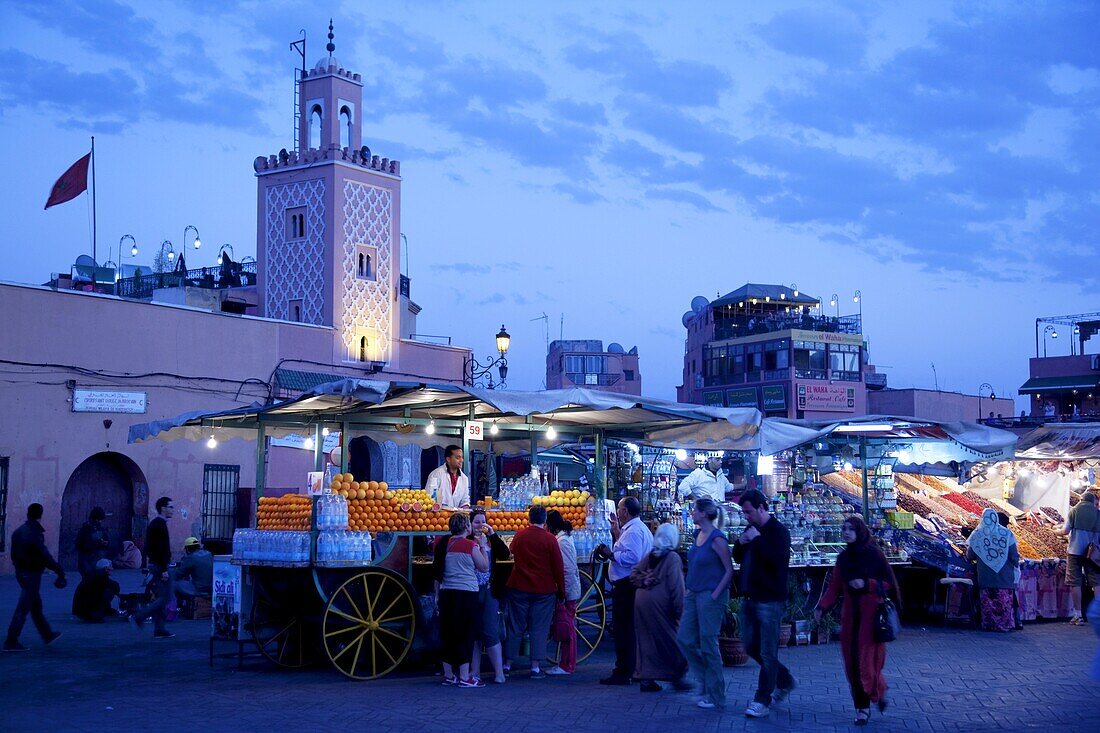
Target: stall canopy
column 930, row 442
column 400, row 407
column 1061, row 442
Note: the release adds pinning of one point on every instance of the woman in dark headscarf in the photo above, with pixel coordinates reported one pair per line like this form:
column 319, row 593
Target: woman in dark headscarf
column 862, row 577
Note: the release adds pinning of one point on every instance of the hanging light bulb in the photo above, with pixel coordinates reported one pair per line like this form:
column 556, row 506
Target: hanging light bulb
column 308, row 445
column 430, row 430
column 324, row 432
column 493, row 429
column 681, row 454
column 551, row 433
column 212, row 443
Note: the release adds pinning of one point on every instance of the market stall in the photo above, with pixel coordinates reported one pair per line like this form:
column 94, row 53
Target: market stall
column 345, row 572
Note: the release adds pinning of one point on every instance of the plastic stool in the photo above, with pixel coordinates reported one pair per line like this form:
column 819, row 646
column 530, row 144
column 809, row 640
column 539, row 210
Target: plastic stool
column 965, row 610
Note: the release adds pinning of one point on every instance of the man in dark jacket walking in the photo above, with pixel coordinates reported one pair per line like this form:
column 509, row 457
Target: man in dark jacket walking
column 158, row 555
column 31, row 558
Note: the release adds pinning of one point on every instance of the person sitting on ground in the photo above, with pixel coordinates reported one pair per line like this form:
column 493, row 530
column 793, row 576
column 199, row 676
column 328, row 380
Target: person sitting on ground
column 129, row 558
column 96, row 592
column 91, row 542
column 195, row 571
column 658, row 606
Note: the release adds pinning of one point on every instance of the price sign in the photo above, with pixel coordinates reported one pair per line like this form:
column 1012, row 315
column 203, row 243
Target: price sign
column 474, row 429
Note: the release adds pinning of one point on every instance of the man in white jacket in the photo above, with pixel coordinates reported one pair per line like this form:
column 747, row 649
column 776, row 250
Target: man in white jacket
column 709, row 481
column 447, row 484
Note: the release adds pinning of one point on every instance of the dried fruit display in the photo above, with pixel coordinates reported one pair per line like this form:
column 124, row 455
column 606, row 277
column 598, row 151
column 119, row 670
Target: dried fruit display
column 853, row 477
column 1043, row 540
column 842, row 484
column 1052, row 514
column 1027, row 552
column 963, row 501
column 981, row 501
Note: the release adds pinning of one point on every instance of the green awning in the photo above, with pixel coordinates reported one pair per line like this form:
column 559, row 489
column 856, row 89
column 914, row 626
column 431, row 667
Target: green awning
column 1056, row 385
column 293, row 380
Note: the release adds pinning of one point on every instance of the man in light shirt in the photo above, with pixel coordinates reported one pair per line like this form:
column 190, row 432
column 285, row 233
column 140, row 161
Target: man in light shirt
column 449, row 486
column 632, row 542
column 706, row 482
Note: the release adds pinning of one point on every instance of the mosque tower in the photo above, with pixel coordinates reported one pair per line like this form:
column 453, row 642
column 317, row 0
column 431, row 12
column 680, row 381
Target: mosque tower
column 328, row 245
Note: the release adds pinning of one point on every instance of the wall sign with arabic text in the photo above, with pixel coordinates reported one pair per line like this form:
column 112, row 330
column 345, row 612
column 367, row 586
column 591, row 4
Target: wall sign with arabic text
column 108, row 400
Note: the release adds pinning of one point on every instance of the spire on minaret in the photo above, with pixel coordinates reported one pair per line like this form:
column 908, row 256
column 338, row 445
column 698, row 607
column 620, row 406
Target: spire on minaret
column 330, row 47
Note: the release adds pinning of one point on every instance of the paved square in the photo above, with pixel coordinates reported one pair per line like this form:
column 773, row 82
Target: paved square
column 109, row 677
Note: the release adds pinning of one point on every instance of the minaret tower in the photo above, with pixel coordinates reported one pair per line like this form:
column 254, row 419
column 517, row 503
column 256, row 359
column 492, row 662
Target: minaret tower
column 328, row 245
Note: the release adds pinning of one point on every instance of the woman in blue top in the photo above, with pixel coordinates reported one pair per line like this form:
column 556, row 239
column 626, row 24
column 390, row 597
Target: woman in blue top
column 710, row 571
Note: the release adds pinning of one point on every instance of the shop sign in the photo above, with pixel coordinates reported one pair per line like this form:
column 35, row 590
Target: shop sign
column 741, row 397
column 108, row 400
column 826, row 397
column 775, row 397
column 473, row 430
column 714, row 398
column 853, row 339
column 225, row 617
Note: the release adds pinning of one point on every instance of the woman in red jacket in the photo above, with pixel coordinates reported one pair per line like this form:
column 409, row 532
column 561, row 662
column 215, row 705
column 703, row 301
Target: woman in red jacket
column 862, row 577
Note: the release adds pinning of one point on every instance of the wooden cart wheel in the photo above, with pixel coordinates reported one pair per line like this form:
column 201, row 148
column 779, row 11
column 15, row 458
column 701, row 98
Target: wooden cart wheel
column 590, row 622
column 282, row 633
column 369, row 624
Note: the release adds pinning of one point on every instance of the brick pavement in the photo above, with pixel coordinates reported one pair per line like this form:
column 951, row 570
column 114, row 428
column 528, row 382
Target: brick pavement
column 108, row 678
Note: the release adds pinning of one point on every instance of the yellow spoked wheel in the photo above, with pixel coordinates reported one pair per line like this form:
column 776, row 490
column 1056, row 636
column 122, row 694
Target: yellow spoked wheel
column 282, row 632
column 369, row 624
column 590, row 622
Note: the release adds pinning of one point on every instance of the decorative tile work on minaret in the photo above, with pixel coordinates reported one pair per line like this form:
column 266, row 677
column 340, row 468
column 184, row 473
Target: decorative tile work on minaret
column 367, row 306
column 295, row 268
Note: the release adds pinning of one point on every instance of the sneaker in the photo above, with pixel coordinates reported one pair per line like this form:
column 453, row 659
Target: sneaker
column 1076, row 620
column 52, row 638
column 163, row 635
column 649, row 686
column 862, row 716
column 538, row 674
column 757, row 710
column 447, row 681
column 705, row 704
column 471, row 682
column 556, row 670
column 15, row 647
column 136, row 622
column 782, row 693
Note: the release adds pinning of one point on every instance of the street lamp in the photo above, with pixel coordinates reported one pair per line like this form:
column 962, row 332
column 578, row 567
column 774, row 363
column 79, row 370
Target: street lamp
column 834, row 301
column 795, row 289
column 1048, row 331
column 858, row 298
column 473, row 371
column 224, row 248
column 198, row 242
column 166, row 246
column 991, row 395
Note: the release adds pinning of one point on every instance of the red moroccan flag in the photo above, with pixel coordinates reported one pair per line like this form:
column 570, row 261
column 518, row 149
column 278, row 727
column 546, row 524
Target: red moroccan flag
column 72, row 183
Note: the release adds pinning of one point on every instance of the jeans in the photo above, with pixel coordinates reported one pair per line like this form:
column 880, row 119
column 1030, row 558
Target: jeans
column 30, row 601
column 698, row 639
column 760, row 632
column 622, row 618
column 162, row 589
column 531, row 613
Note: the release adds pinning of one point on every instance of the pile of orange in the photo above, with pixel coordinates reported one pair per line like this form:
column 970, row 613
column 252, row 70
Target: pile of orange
column 346, row 486
column 287, row 512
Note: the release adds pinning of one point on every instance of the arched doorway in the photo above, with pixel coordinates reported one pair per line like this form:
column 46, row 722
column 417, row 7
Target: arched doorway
column 365, row 459
column 112, row 481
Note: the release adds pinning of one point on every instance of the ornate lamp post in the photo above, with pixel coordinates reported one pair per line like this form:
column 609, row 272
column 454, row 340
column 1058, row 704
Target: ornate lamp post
column 991, row 395
column 474, row 371
column 224, row 248
column 1048, row 331
column 198, row 242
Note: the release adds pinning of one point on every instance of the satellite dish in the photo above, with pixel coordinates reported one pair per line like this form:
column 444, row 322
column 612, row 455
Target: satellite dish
column 686, row 318
column 85, row 261
column 616, row 348
column 699, row 303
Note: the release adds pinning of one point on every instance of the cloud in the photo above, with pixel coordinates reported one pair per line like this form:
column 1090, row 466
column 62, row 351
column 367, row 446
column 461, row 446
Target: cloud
column 582, row 113
column 462, row 268
column 579, row 194
column 817, row 33
column 89, row 99
column 626, row 58
column 103, row 27
column 696, row 201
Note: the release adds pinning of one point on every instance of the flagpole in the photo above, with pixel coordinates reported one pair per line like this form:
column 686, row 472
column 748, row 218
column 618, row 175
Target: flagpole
column 93, row 201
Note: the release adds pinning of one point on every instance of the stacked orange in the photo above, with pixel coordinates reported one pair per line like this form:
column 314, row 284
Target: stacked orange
column 287, row 512
column 346, row 486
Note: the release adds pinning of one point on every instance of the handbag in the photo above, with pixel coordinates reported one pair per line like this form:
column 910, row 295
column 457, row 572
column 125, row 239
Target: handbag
column 887, row 621
column 561, row 628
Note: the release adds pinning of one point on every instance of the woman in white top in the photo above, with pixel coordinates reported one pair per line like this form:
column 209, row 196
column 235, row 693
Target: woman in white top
column 564, row 532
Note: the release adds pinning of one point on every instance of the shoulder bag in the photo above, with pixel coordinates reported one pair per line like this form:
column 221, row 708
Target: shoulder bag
column 887, row 621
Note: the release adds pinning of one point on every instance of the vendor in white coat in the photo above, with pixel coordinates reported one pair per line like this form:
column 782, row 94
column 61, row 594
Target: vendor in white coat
column 706, row 481
column 447, row 484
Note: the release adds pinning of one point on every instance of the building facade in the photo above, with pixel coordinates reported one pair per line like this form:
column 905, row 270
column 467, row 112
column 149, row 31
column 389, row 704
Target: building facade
column 933, row 404
column 770, row 347
column 88, row 357
column 1064, row 386
column 585, row 363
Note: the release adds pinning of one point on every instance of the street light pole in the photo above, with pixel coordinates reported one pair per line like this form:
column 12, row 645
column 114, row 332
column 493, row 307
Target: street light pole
column 992, row 396
column 1048, row 331
column 474, row 370
column 190, row 227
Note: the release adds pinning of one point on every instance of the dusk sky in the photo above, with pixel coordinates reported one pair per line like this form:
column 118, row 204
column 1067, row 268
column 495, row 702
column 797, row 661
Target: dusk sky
column 607, row 164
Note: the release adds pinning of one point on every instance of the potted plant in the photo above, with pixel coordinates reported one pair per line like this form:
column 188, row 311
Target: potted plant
column 826, row 627
column 730, row 645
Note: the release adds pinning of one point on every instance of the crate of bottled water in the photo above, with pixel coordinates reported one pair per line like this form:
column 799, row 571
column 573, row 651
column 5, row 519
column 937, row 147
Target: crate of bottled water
column 270, row 547
column 342, row 548
column 331, row 512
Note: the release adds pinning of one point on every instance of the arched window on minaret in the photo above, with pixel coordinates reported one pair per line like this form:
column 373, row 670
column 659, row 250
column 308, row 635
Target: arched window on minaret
column 345, row 127
column 363, row 348
column 315, row 126
column 362, row 269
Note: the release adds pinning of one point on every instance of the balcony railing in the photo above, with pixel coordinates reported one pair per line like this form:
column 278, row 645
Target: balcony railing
column 741, row 325
column 233, row 275
column 582, row 379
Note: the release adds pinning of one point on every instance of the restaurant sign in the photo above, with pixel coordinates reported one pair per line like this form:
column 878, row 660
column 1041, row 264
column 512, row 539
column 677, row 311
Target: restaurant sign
column 742, row 397
column 775, row 397
column 826, row 397
column 108, row 400
column 713, row 398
